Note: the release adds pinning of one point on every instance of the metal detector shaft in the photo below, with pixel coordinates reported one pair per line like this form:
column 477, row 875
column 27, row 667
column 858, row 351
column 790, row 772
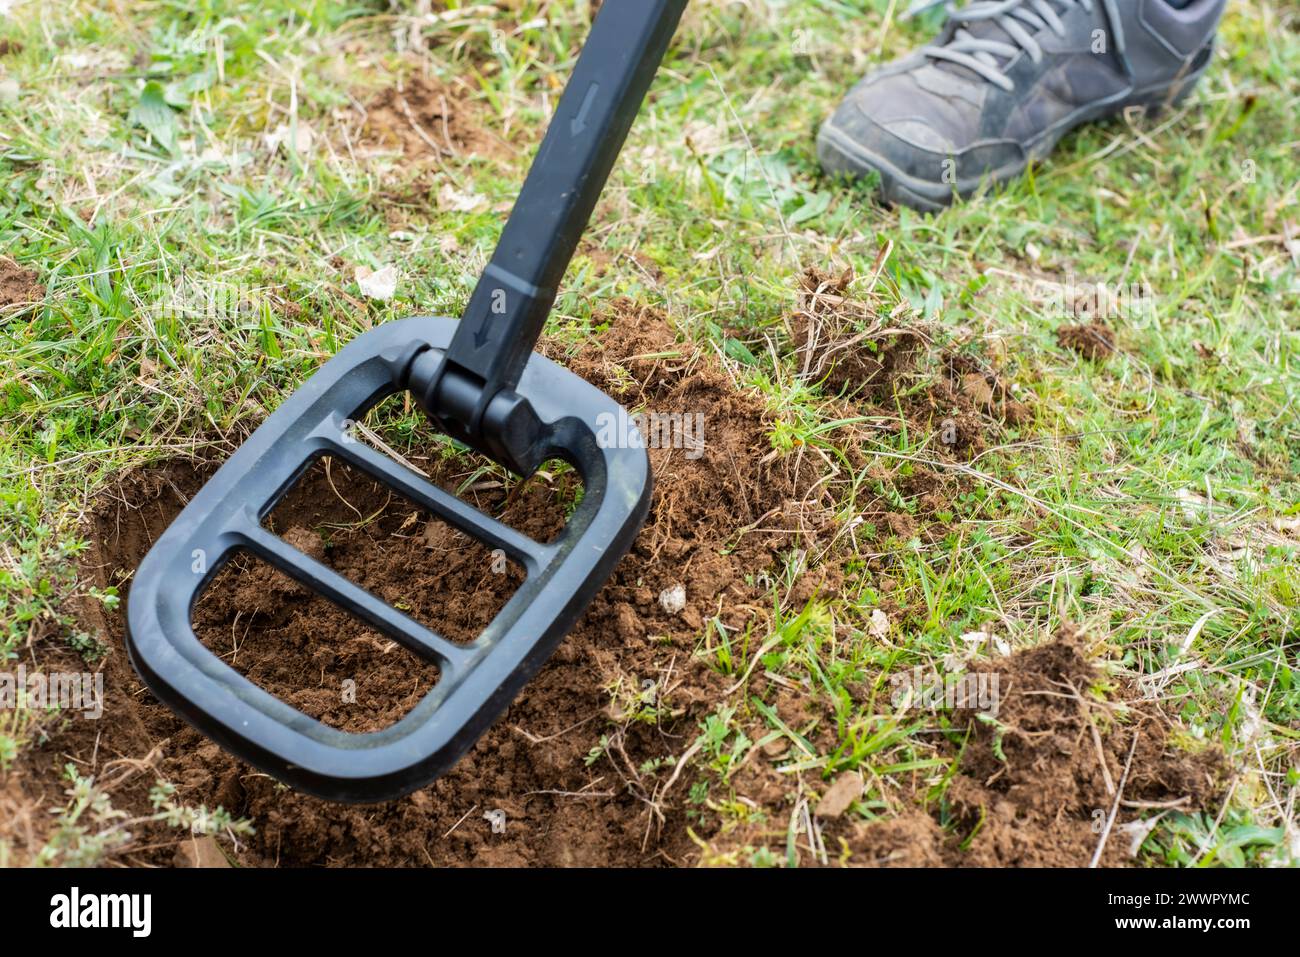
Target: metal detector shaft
column 509, row 306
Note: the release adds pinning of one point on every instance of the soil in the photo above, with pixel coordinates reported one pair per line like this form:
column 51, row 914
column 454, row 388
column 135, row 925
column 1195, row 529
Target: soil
column 1043, row 804
column 425, row 118
column 1029, row 788
column 10, row 47
column 715, row 520
column 423, row 121
column 844, row 346
column 271, row 629
column 18, row 286
column 1092, row 340
column 833, row 352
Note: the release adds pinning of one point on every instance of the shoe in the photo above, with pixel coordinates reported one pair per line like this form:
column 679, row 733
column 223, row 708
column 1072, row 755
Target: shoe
column 1004, row 81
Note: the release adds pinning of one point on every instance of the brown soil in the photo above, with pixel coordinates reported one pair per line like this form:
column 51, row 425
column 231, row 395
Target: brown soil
column 842, row 344
column 1040, row 806
column 10, row 47
column 18, row 286
column 271, row 629
column 424, row 119
column 845, row 346
column 715, row 519
column 1042, row 802
column 1092, row 340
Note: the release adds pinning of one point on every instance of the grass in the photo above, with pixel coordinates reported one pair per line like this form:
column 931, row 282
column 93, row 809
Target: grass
column 1154, row 498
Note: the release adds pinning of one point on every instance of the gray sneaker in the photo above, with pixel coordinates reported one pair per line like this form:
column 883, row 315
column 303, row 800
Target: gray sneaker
column 1004, row 81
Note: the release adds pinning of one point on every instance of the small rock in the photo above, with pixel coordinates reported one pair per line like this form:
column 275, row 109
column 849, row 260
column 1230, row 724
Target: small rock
column 673, row 599
column 879, row 624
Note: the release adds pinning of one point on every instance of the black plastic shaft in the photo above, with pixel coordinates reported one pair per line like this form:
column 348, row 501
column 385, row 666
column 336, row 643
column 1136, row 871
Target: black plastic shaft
column 509, row 307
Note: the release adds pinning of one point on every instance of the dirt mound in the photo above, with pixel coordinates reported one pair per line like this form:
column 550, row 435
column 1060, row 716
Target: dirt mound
column 582, row 764
column 1092, row 340
column 967, row 403
column 425, row 118
column 18, row 286
column 721, row 509
column 879, row 364
column 913, row 839
column 1035, row 784
column 588, row 765
column 1045, row 775
column 844, row 344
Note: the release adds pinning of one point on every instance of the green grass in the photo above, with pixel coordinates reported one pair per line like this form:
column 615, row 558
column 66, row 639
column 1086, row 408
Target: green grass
column 1153, row 498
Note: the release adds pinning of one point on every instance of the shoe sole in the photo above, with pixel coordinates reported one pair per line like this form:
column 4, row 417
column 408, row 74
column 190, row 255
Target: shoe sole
column 840, row 153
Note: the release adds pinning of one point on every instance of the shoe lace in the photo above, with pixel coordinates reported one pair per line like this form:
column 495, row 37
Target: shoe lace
column 986, row 56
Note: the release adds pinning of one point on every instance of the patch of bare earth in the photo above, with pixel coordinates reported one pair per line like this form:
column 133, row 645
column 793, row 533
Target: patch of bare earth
column 1039, row 804
column 1093, row 340
column 18, row 287
column 584, row 766
column 880, row 363
column 424, row 120
column 572, row 764
column 416, row 131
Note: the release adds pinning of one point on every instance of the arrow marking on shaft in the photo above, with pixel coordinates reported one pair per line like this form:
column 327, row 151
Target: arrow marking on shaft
column 578, row 125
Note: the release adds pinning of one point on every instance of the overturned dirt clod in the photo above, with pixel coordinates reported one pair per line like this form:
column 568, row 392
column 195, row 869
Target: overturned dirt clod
column 842, row 344
column 881, row 368
column 425, row 118
column 1045, row 773
column 1035, row 782
column 1092, row 340
column 18, row 286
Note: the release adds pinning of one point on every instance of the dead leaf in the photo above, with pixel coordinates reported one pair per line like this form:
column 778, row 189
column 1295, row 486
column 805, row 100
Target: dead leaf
column 300, row 138
column 977, row 387
column 378, row 284
column 844, row 790
column 201, row 851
